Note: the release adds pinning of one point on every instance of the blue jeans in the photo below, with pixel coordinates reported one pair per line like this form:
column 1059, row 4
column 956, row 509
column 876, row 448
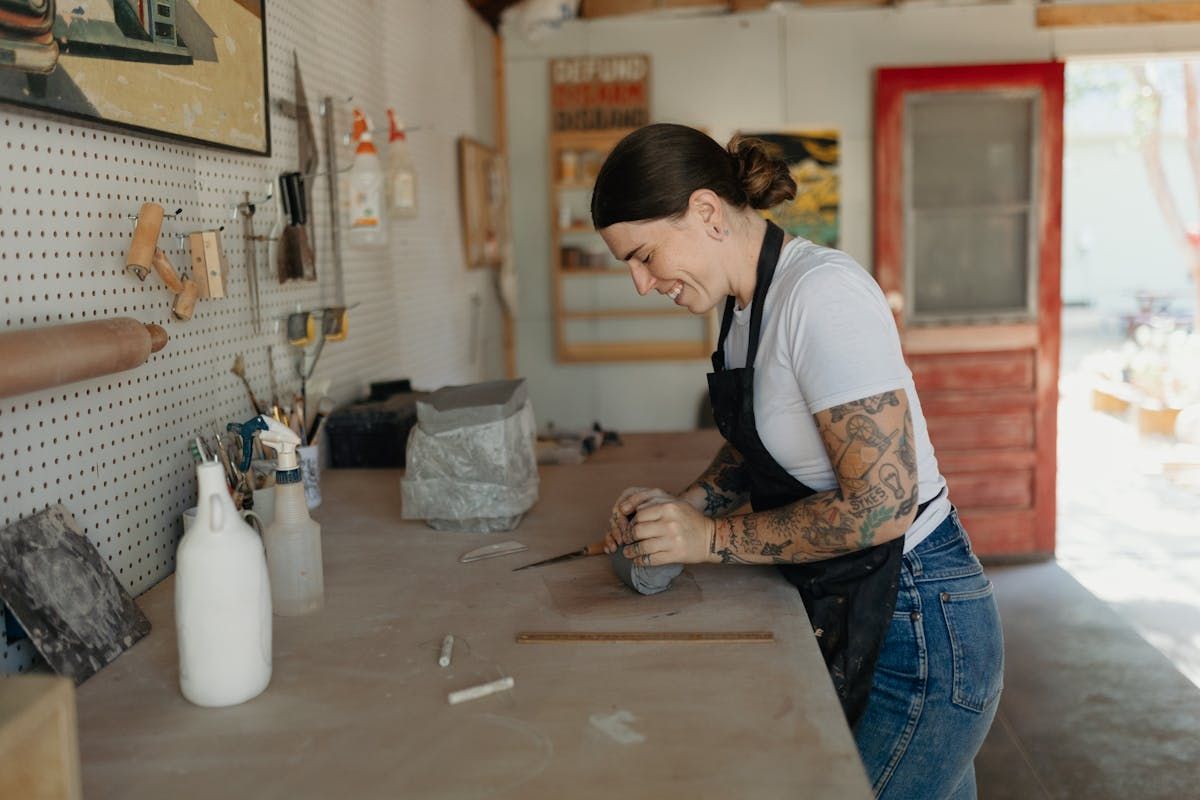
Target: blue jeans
column 939, row 675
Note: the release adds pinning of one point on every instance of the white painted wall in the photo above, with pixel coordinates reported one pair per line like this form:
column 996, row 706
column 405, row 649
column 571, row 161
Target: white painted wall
column 794, row 67
column 118, row 457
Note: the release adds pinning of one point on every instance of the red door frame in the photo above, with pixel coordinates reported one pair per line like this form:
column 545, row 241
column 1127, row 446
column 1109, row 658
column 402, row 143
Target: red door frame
column 1046, row 77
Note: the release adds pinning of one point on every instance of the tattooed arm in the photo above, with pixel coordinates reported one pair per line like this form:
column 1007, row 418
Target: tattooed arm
column 723, row 487
column 870, row 444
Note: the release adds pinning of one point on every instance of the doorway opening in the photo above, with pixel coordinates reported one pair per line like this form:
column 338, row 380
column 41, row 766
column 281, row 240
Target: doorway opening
column 1129, row 389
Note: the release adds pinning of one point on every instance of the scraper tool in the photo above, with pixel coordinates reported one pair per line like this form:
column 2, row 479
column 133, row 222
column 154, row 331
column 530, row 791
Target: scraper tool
column 593, row 549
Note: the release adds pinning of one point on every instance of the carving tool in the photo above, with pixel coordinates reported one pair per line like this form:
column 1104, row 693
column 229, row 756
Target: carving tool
column 324, row 407
column 276, row 408
column 310, row 158
column 239, row 369
column 747, row 637
column 493, row 551
column 476, row 692
column 247, row 210
column 593, row 549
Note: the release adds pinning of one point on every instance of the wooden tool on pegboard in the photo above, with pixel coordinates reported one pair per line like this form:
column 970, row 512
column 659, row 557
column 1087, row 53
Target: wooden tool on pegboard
column 40, row 358
column 210, row 268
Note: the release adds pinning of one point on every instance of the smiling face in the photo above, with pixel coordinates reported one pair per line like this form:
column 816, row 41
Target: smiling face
column 680, row 258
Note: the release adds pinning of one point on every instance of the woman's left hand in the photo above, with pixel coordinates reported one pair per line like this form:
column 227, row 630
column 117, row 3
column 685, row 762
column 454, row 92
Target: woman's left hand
column 669, row 531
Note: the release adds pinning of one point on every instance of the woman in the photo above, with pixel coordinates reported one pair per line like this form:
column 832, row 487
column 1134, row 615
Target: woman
column 826, row 440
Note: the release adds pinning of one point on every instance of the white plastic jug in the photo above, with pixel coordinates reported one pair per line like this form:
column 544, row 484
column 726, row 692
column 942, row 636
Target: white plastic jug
column 222, row 601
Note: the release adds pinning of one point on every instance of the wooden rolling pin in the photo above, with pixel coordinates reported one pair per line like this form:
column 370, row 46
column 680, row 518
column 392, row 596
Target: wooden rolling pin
column 40, row 358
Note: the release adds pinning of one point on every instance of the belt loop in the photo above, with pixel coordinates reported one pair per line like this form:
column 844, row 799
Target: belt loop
column 914, row 562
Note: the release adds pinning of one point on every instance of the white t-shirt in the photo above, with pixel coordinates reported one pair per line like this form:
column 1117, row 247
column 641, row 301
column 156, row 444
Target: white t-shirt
column 828, row 337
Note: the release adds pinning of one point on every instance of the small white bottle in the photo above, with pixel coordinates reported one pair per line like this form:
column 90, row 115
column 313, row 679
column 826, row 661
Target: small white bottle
column 293, row 539
column 365, row 182
column 222, row 601
column 402, row 176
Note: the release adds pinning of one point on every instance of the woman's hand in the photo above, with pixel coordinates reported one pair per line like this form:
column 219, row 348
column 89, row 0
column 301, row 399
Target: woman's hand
column 667, row 530
column 629, row 502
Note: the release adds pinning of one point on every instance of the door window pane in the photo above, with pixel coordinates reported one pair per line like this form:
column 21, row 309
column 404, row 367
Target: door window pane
column 969, row 205
column 970, row 263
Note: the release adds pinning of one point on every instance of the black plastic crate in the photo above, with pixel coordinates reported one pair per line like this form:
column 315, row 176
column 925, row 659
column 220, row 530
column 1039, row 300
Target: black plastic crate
column 372, row 434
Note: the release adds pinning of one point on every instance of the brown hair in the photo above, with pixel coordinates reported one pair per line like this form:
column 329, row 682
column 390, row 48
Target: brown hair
column 652, row 172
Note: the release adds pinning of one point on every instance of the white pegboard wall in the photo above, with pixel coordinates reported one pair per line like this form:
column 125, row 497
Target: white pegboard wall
column 114, row 449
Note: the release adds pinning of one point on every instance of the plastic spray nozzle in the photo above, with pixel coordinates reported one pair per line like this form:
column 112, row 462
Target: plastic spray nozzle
column 360, row 124
column 246, row 430
column 283, row 440
column 395, row 127
column 362, row 132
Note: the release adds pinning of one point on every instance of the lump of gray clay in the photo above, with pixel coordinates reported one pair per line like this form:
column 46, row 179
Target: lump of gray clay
column 644, row 580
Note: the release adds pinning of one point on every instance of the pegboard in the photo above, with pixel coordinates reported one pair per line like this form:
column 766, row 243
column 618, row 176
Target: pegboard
column 114, row 450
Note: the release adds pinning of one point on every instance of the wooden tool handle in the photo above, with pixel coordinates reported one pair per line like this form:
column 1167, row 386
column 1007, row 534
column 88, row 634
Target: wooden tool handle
column 40, row 358
column 166, row 270
column 145, row 240
column 748, row 637
column 185, row 301
column 595, row 548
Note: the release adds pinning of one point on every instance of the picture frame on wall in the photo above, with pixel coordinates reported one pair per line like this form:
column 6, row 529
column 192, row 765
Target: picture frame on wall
column 182, row 69
column 813, row 158
column 483, row 188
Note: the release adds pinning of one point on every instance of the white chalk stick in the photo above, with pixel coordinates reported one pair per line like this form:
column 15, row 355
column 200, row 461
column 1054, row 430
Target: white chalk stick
column 476, row 692
column 447, row 650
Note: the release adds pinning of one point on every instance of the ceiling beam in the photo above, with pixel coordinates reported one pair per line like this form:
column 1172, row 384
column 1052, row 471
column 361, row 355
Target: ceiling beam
column 1059, row 15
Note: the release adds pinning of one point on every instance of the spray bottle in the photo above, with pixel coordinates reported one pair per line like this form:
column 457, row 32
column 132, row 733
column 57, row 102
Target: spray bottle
column 366, row 188
column 293, row 539
column 402, row 181
column 222, row 601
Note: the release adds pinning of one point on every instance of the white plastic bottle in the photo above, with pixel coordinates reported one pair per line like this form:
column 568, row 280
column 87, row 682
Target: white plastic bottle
column 293, row 539
column 222, row 601
column 365, row 183
column 402, row 177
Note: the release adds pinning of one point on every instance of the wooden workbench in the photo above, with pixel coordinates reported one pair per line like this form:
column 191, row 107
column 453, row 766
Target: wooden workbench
column 357, row 703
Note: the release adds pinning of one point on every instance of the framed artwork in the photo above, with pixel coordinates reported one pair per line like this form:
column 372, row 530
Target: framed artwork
column 193, row 70
column 812, row 157
column 483, row 185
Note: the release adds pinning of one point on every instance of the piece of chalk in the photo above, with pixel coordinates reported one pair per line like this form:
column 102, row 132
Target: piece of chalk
column 476, row 692
column 447, row 648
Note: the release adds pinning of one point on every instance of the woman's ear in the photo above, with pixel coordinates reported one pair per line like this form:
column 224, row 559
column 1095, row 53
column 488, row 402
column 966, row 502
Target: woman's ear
column 709, row 211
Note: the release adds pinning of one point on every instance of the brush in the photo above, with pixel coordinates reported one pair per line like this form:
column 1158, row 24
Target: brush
column 239, row 369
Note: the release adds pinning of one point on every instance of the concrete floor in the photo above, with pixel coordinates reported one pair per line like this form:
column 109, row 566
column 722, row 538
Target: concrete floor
column 1102, row 677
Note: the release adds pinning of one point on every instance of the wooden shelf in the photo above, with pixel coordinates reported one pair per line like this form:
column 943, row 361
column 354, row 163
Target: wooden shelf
column 614, row 313
column 597, row 144
column 575, row 352
column 594, row 270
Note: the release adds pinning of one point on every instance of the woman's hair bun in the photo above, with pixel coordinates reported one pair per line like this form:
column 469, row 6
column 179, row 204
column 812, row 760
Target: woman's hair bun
column 764, row 177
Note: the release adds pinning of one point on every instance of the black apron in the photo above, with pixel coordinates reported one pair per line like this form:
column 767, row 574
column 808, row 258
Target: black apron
column 850, row 598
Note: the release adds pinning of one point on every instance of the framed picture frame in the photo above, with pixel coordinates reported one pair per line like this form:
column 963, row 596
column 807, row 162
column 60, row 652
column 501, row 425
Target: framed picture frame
column 812, row 157
column 483, row 188
column 179, row 69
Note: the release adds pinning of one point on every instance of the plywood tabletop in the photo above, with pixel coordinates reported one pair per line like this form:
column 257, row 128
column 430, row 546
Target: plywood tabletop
column 357, row 705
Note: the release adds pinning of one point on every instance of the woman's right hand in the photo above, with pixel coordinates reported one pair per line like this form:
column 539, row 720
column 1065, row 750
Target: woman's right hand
column 623, row 510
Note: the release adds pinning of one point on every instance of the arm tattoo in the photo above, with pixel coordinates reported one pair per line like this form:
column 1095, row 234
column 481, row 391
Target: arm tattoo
column 725, row 484
column 870, row 445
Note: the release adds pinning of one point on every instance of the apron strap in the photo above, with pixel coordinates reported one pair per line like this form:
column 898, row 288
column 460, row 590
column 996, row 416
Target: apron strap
column 768, row 258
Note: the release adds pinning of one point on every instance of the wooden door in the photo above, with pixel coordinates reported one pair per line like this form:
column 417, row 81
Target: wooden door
column 968, row 179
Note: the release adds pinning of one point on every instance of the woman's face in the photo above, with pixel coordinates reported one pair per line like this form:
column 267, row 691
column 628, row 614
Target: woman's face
column 674, row 257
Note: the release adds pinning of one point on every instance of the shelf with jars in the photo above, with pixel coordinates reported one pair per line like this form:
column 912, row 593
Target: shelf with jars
column 590, row 326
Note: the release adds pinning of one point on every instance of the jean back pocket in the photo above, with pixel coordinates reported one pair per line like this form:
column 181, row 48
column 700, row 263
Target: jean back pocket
column 977, row 644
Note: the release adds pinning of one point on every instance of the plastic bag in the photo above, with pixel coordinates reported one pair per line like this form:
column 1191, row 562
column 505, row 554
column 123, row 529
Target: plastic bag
column 479, row 478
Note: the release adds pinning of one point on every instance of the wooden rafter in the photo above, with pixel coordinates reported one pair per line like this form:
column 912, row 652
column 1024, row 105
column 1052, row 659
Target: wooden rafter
column 1058, row 15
